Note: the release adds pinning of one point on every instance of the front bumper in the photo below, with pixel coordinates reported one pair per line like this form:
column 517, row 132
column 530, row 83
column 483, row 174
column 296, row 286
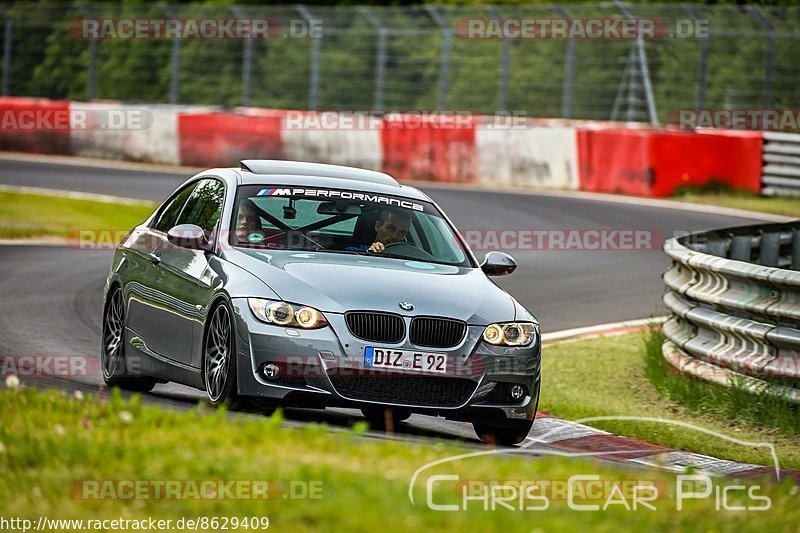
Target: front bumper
column 324, row 367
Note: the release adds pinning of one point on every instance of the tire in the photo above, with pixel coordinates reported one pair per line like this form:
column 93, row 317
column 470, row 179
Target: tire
column 112, row 352
column 377, row 416
column 508, row 434
column 219, row 358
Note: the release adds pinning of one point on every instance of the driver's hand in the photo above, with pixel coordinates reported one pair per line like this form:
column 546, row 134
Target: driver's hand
column 377, row 247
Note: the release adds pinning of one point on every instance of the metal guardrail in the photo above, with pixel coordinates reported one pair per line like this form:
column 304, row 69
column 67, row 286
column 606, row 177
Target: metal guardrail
column 734, row 302
column 781, row 170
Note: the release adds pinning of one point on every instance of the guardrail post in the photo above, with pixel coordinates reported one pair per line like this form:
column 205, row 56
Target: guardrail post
column 717, row 247
column 8, row 44
column 770, row 250
column 741, row 248
column 796, row 249
column 444, row 63
column 316, row 52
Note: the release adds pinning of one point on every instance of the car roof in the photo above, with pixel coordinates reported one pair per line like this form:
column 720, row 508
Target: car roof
column 275, row 172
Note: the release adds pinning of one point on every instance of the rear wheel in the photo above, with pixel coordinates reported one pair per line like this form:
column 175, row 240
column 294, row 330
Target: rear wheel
column 507, row 434
column 219, row 359
column 112, row 353
column 385, row 418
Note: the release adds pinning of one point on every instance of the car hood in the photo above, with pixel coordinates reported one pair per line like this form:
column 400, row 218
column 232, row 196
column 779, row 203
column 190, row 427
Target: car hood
column 336, row 283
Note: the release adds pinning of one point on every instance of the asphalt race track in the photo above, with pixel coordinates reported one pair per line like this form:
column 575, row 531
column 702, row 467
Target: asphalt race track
column 52, row 295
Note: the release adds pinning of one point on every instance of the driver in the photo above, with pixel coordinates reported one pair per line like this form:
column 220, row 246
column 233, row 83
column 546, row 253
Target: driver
column 391, row 226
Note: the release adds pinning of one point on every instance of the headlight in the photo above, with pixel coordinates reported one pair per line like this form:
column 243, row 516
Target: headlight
column 284, row 314
column 510, row 333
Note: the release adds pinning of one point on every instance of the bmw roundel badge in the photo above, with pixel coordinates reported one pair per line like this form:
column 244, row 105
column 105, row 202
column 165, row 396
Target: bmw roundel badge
column 406, row 306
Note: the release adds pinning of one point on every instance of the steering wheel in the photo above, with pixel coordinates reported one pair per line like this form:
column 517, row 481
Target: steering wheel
column 409, row 249
column 398, row 244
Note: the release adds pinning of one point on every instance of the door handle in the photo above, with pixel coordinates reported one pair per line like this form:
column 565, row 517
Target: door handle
column 155, row 257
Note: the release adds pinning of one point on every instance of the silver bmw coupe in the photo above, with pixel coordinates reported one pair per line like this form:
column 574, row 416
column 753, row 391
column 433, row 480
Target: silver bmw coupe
column 299, row 284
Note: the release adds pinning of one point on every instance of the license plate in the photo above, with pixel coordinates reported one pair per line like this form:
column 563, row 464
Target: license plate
column 405, row 360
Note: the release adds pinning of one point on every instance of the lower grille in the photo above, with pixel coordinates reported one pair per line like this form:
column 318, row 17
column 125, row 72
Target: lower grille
column 437, row 332
column 291, row 381
column 416, row 390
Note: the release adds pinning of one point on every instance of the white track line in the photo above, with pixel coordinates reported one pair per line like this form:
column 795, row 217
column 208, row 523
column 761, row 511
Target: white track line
column 98, row 163
column 106, row 198
column 612, row 328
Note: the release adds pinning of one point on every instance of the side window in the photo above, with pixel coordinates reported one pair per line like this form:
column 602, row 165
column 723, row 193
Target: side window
column 204, row 206
column 169, row 215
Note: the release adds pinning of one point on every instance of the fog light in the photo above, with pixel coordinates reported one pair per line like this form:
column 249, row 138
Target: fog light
column 271, row 371
column 517, row 392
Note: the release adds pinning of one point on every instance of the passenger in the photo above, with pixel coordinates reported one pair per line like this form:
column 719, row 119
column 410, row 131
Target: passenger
column 247, row 221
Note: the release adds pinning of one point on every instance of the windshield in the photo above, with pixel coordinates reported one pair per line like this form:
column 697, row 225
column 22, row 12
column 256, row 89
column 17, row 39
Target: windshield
column 340, row 221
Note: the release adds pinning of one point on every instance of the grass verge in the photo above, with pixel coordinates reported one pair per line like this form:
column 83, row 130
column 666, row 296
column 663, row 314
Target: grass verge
column 725, row 403
column 724, row 196
column 26, row 215
column 51, row 445
column 609, row 377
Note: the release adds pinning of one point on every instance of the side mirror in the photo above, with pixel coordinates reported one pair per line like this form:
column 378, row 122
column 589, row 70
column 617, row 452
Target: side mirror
column 498, row 264
column 188, row 236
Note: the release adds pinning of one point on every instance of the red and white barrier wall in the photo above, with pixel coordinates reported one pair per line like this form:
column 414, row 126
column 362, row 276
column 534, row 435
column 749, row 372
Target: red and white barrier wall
column 543, row 154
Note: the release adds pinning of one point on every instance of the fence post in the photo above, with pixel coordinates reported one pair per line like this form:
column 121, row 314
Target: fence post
column 702, row 60
column 8, row 43
column 91, row 68
column 175, row 58
column 769, row 53
column 444, row 64
column 380, row 56
column 316, row 48
column 505, row 55
column 621, row 87
column 247, row 60
column 643, row 66
column 569, row 70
